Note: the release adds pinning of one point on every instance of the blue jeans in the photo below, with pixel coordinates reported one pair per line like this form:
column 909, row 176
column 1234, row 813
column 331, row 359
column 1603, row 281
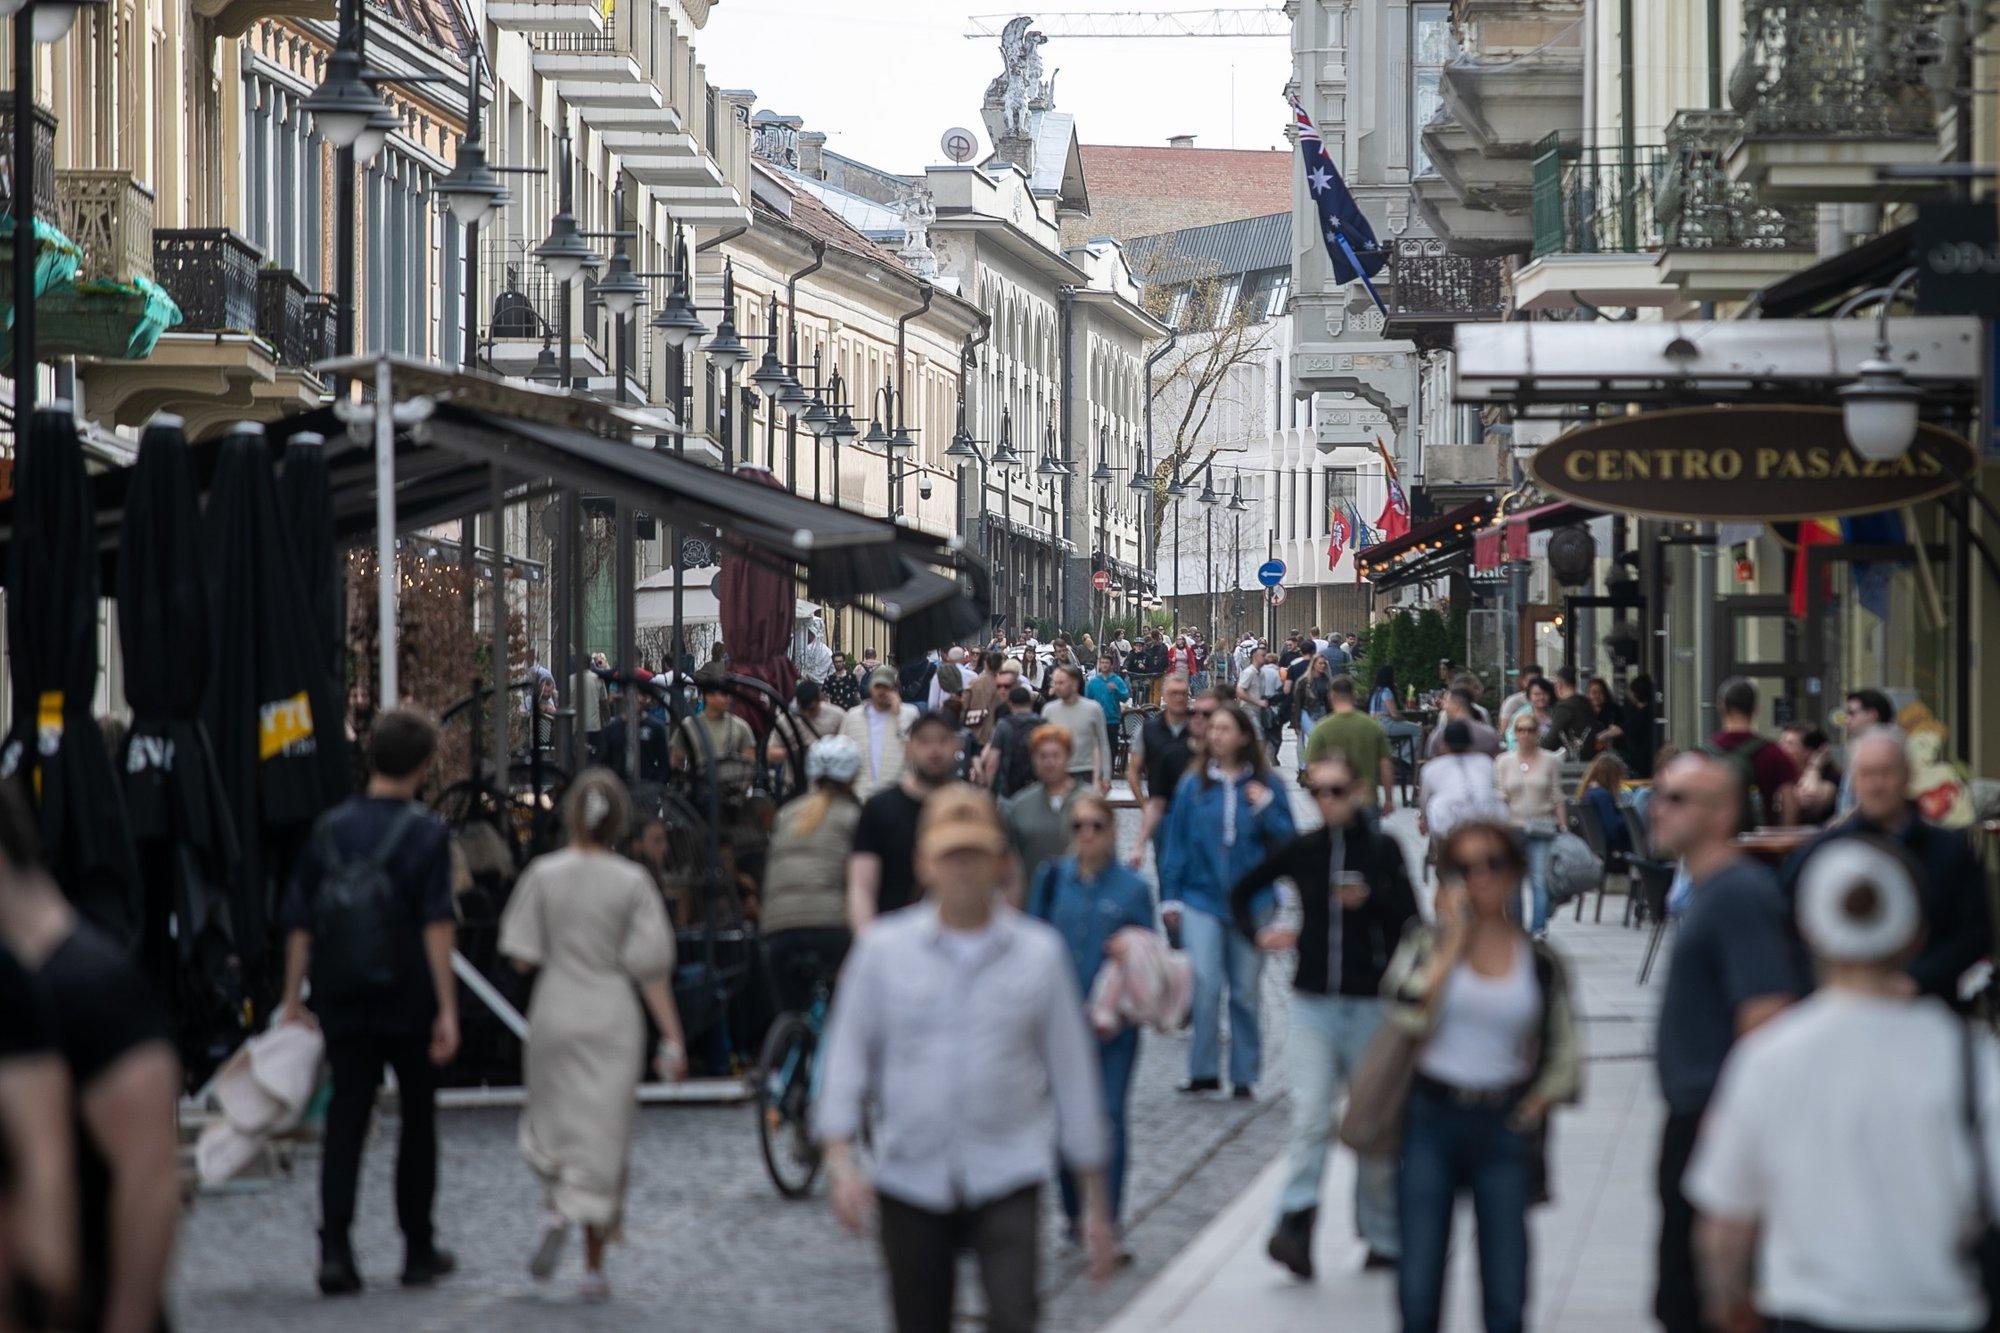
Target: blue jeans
column 1446, row 1149
column 1538, row 880
column 1325, row 1036
column 1222, row 956
column 1116, row 1060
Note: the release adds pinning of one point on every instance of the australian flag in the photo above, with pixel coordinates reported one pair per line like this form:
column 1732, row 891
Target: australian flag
column 1350, row 241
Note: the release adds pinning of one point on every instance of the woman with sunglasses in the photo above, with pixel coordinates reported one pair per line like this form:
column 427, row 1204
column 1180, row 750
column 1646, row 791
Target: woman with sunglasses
column 1226, row 816
column 1529, row 780
column 1088, row 896
column 1499, row 1049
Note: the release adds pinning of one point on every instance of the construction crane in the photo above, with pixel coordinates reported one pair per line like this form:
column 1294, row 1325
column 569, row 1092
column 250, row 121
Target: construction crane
column 1260, row 22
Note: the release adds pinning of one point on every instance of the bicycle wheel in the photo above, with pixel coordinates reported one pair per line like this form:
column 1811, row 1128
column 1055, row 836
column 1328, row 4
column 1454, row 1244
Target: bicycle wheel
column 784, row 1081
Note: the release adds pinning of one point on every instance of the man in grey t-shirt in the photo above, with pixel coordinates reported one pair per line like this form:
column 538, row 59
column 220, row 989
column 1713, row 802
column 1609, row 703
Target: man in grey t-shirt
column 1733, row 967
column 1090, row 755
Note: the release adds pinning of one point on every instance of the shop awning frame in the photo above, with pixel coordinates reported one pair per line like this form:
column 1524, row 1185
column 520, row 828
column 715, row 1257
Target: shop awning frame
column 1554, row 368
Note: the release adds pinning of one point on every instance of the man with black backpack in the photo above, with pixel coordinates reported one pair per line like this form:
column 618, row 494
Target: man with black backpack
column 370, row 910
column 1768, row 773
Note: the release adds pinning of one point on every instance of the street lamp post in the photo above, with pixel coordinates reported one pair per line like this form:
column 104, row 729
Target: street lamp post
column 37, row 22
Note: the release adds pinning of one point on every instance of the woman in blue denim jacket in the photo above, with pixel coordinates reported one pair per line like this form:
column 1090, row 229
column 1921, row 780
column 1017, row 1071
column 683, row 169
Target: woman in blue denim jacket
column 1226, row 814
column 1089, row 896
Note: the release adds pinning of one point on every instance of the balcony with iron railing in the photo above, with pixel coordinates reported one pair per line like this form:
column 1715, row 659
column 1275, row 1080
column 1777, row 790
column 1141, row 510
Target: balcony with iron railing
column 211, row 273
column 1596, row 237
column 1717, row 242
column 298, row 322
column 247, row 335
column 1430, row 290
column 1832, row 91
column 110, row 217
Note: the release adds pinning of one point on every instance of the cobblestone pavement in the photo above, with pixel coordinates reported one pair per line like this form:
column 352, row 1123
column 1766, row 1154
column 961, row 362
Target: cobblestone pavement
column 709, row 1243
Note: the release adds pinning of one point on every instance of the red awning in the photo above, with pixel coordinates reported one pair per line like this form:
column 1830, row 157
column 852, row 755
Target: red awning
column 1453, row 529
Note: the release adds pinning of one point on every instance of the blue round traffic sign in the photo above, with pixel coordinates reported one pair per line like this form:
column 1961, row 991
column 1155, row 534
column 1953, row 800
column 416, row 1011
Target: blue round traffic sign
column 1271, row 573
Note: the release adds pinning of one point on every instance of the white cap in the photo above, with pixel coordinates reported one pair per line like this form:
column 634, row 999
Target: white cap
column 1857, row 902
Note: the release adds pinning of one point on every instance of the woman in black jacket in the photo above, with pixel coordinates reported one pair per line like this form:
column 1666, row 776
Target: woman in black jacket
column 1355, row 900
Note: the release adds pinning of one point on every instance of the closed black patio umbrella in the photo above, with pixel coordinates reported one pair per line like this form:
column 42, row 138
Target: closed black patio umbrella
column 305, row 501
column 181, row 825
column 54, row 745
column 259, row 705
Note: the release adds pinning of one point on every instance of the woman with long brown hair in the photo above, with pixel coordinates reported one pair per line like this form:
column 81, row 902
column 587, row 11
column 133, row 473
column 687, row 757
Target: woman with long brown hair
column 591, row 922
column 1227, row 814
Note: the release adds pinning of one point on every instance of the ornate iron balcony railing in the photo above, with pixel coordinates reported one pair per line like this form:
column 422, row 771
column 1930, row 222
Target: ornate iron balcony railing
column 1837, row 69
column 284, row 317
column 1431, row 284
column 1700, row 208
column 211, row 273
column 1594, row 200
column 110, row 217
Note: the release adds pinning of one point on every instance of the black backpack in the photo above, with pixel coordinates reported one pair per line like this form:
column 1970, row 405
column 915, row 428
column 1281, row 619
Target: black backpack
column 358, row 914
column 1016, row 768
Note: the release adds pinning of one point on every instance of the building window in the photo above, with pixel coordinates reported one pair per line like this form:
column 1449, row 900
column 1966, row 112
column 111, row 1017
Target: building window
column 1343, row 487
column 1430, row 47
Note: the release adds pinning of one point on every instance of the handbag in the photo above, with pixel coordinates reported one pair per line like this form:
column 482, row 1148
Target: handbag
column 1379, row 1092
column 1984, row 1246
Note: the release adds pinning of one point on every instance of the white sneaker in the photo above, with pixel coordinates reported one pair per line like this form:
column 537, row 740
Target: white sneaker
column 549, row 1247
column 593, row 1289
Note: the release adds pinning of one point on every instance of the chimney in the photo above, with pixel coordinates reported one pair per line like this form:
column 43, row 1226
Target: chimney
column 811, row 166
column 1180, row 141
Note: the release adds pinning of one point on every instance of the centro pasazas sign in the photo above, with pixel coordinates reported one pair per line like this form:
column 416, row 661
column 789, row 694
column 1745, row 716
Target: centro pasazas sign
column 1757, row 463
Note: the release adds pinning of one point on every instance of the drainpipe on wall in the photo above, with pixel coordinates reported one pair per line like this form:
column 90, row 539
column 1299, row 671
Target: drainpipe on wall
column 1063, row 579
column 902, row 338
column 791, row 358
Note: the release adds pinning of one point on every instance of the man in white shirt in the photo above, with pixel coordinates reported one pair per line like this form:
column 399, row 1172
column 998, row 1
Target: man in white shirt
column 1835, row 1173
column 1257, row 685
column 960, row 1021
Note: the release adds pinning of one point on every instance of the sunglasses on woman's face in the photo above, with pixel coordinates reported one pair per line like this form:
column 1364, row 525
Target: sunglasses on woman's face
column 1091, row 825
column 1492, row 865
column 1332, row 791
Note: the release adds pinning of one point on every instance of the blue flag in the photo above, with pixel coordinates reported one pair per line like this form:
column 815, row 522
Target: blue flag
column 1873, row 578
column 1350, row 241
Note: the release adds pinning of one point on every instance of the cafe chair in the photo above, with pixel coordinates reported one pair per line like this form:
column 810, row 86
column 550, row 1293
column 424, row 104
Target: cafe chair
column 1651, row 881
column 1582, row 821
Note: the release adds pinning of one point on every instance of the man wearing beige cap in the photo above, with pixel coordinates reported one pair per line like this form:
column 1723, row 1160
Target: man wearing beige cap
column 879, row 727
column 959, row 1020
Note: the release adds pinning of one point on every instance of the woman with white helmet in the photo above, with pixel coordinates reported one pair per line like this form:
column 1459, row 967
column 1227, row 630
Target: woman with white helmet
column 1849, row 1156
column 805, row 874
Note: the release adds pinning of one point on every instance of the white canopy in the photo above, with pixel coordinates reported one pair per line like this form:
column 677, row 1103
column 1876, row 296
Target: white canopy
column 698, row 602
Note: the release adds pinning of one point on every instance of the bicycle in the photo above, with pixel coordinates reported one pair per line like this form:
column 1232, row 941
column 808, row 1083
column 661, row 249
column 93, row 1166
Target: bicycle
column 787, row 1078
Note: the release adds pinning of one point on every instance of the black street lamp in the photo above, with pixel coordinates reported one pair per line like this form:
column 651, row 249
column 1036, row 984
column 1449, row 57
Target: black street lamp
column 37, row 22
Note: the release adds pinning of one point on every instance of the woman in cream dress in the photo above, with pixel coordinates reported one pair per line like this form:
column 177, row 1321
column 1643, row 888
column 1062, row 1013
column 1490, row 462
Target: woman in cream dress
column 592, row 922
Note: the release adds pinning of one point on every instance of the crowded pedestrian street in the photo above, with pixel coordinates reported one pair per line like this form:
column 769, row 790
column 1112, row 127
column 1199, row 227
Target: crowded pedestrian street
column 777, row 665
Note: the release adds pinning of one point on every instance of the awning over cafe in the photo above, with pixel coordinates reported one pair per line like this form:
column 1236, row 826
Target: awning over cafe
column 541, row 440
column 1452, row 531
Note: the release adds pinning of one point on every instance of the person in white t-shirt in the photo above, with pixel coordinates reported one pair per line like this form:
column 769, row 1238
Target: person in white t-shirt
column 1837, row 1172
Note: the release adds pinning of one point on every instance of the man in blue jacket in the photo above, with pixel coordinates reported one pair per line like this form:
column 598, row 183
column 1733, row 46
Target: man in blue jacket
column 1108, row 690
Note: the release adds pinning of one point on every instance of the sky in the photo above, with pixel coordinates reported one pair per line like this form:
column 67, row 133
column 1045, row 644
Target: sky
column 884, row 79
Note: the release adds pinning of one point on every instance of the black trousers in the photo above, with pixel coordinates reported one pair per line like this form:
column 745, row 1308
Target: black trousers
column 803, row 958
column 357, row 1072
column 922, row 1247
column 1677, row 1299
